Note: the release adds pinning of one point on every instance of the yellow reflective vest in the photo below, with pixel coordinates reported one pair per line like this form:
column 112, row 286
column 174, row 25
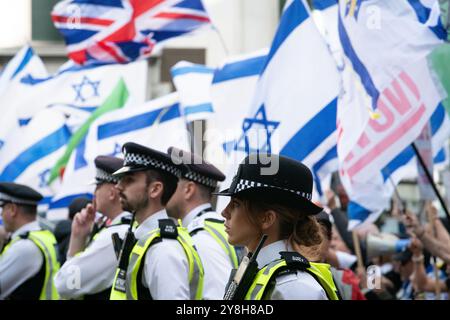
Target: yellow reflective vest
column 133, row 287
column 46, row 242
column 216, row 230
column 292, row 261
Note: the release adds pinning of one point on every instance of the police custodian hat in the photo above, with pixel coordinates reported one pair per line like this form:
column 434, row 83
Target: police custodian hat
column 106, row 166
column 18, row 194
column 139, row 158
column 291, row 184
column 195, row 168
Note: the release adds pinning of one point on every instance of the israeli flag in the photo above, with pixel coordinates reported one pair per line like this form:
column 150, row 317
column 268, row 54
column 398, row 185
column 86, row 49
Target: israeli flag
column 24, row 62
column 193, row 84
column 232, row 91
column 369, row 199
column 293, row 111
column 35, row 150
column 389, row 91
column 157, row 124
column 74, row 89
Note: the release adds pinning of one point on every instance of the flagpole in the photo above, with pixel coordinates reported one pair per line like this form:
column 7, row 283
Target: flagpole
column 222, row 41
column 430, row 179
column 401, row 205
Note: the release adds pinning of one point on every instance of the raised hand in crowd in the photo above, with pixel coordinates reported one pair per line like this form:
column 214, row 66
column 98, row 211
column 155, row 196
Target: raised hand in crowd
column 421, row 281
column 435, row 246
column 81, row 227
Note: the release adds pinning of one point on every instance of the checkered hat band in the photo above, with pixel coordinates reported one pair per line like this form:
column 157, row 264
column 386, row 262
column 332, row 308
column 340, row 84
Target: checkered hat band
column 147, row 161
column 196, row 177
column 103, row 176
column 7, row 197
column 247, row 184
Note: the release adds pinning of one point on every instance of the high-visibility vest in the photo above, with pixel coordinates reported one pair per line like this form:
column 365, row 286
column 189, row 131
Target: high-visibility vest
column 105, row 294
column 292, row 261
column 216, row 230
column 134, row 289
column 46, row 290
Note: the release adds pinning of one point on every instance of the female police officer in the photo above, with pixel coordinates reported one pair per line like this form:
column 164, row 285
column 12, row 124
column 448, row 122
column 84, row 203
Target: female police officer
column 278, row 204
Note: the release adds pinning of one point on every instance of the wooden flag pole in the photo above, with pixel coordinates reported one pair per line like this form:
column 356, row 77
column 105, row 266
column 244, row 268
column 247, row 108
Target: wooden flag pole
column 357, row 249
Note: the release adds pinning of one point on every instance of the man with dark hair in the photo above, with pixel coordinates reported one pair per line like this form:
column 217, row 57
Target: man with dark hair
column 163, row 264
column 28, row 261
column 92, row 253
column 192, row 204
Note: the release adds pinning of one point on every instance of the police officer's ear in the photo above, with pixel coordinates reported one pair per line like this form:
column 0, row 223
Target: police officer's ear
column 113, row 193
column 189, row 190
column 13, row 209
column 156, row 189
column 268, row 219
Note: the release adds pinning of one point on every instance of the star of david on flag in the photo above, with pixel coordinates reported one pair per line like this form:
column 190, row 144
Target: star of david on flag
column 257, row 134
column 86, row 86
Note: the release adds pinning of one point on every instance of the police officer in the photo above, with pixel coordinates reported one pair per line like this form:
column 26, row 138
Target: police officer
column 28, row 261
column 163, row 263
column 94, row 263
column 271, row 195
column 192, row 203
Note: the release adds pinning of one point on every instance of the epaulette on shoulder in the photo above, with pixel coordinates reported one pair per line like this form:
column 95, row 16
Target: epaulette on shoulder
column 168, row 228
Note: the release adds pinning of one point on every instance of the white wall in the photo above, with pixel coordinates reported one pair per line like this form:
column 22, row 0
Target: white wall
column 15, row 23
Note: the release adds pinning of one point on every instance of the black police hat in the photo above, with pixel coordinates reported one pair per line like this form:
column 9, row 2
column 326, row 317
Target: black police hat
column 290, row 185
column 196, row 169
column 106, row 166
column 19, row 194
column 140, row 158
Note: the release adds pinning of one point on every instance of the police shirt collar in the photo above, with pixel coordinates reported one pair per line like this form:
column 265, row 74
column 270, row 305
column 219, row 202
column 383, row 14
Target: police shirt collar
column 31, row 226
column 193, row 213
column 270, row 252
column 120, row 216
column 149, row 224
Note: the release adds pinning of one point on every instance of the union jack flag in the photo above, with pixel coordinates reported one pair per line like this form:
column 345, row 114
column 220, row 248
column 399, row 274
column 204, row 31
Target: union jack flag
column 120, row 31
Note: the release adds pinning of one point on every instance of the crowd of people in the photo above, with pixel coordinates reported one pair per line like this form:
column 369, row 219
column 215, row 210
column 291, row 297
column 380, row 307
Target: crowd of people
column 151, row 232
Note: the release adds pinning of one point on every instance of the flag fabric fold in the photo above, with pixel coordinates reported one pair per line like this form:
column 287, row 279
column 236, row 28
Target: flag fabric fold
column 123, row 30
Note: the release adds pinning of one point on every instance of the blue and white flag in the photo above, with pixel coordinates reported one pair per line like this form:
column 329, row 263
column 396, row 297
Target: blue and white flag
column 76, row 92
column 387, row 98
column 293, row 111
column 369, row 199
column 232, row 91
column 158, row 124
column 389, row 91
column 35, row 150
column 76, row 88
column 193, row 84
column 24, row 62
